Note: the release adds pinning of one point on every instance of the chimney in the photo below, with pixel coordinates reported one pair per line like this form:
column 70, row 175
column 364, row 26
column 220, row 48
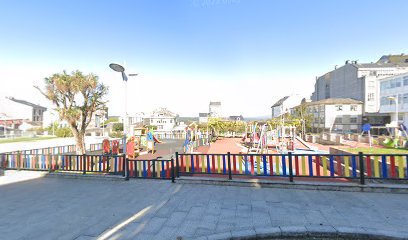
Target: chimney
column 335, row 67
column 347, row 62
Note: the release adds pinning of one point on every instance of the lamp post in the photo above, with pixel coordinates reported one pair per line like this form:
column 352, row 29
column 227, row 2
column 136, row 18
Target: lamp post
column 395, row 99
column 119, row 68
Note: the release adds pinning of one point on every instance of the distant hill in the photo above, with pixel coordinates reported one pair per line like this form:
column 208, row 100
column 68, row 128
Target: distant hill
column 258, row 118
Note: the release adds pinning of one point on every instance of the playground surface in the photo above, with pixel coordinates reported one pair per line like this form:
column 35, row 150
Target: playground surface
column 58, row 208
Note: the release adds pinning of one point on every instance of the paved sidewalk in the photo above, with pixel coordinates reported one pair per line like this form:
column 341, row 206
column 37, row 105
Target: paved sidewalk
column 53, row 208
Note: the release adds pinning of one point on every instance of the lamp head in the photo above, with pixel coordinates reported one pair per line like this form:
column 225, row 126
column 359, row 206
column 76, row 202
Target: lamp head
column 116, row 67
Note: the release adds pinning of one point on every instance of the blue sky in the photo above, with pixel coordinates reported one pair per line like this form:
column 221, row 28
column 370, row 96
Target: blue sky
column 245, row 53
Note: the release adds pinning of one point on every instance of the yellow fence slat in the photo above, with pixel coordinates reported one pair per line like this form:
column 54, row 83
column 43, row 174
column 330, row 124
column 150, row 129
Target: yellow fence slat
column 324, row 159
column 376, row 167
column 346, row 166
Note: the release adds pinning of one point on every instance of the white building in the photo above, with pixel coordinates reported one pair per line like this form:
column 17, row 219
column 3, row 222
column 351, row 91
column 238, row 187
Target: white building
column 360, row 82
column 136, row 118
column 17, row 111
column 203, row 118
column 283, row 105
column 163, row 119
column 336, row 115
column 215, row 110
column 397, row 87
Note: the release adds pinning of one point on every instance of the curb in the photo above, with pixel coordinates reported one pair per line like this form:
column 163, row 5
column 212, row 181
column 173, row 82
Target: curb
column 306, row 232
column 86, row 176
column 301, row 185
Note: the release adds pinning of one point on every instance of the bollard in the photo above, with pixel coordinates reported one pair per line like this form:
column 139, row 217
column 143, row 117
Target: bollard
column 124, row 165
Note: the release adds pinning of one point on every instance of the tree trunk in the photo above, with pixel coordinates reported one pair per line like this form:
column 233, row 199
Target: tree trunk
column 80, row 143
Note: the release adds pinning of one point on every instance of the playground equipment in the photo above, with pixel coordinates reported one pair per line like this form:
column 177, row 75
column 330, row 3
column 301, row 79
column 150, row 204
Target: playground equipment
column 398, row 131
column 108, row 152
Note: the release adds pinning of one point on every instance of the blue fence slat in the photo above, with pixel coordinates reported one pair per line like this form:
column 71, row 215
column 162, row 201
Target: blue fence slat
column 265, row 168
column 77, row 163
column 384, row 166
column 224, row 169
column 283, row 165
column 192, row 163
column 331, row 160
column 144, row 169
column 162, row 171
column 310, row 160
column 208, row 164
column 354, row 166
column 246, row 164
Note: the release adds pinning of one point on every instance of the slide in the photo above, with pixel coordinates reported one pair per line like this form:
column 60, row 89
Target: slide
column 305, row 144
column 156, row 140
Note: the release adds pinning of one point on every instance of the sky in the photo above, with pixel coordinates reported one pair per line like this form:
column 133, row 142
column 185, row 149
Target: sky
column 245, row 53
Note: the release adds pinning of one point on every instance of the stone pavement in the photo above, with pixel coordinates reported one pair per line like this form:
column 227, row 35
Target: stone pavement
column 57, row 208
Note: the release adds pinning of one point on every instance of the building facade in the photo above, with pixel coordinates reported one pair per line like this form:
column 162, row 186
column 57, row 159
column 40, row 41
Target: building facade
column 395, row 89
column 163, row 119
column 343, row 115
column 18, row 111
column 203, row 118
column 361, row 82
column 215, row 110
column 285, row 104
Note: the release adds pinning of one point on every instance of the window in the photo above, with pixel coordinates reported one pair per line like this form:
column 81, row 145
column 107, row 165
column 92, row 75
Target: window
column 405, row 98
column 353, row 120
column 339, row 108
column 151, row 120
column 321, row 120
column 370, row 97
column 338, row 120
column 405, row 81
column 353, row 107
column 171, row 120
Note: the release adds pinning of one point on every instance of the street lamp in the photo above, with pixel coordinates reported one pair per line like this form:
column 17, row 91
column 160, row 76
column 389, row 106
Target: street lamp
column 119, row 68
column 395, row 99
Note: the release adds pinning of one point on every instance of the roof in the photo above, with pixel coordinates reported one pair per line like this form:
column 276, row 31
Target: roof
column 203, row 114
column 394, row 76
column 26, row 103
column 400, row 58
column 162, row 112
column 379, row 65
column 280, row 101
column 330, row 101
column 215, row 103
column 240, row 117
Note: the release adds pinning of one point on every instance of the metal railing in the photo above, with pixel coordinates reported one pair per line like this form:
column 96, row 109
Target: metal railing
column 89, row 163
column 345, row 166
column 47, row 150
column 153, row 168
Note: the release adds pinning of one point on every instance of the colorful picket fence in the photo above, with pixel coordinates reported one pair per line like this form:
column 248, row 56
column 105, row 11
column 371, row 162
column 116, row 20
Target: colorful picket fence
column 48, row 150
column 156, row 168
column 295, row 165
column 113, row 164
